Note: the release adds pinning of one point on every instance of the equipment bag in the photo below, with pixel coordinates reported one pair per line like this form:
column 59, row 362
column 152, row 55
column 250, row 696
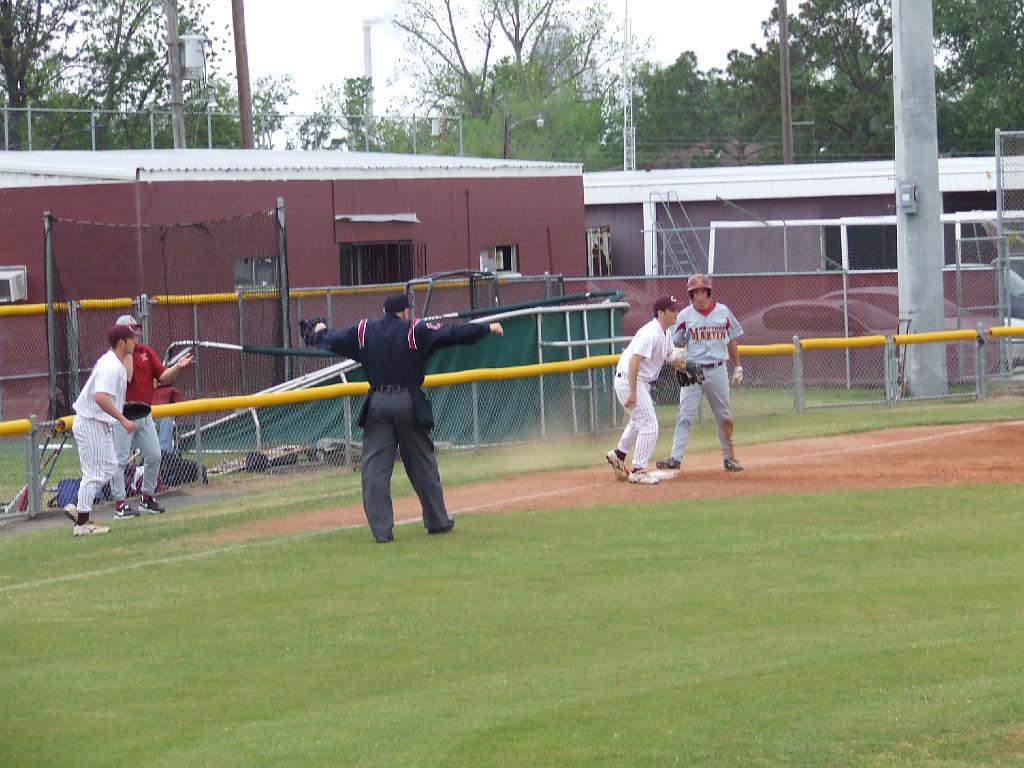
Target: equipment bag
column 67, row 493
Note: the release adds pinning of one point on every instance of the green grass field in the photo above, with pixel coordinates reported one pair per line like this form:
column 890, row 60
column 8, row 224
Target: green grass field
column 856, row 629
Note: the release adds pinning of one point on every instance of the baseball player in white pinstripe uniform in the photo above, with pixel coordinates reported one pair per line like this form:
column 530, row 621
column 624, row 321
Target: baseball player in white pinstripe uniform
column 97, row 409
column 639, row 366
column 708, row 330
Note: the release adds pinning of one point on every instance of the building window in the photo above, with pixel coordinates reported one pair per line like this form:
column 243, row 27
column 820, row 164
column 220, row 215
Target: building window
column 256, row 273
column 599, row 248
column 501, row 258
column 382, row 262
column 870, row 246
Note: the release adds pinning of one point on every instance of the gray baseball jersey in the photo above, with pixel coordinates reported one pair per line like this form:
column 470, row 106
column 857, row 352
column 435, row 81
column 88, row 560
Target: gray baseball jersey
column 706, row 335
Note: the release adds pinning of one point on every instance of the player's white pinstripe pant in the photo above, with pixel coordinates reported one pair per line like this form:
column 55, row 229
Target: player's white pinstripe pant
column 641, row 433
column 95, row 442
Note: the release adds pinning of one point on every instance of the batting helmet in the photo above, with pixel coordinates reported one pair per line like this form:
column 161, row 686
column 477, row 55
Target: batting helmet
column 698, row 281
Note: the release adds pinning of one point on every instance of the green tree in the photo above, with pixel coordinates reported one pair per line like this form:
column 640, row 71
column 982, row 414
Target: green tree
column 496, row 62
column 341, row 119
column 34, row 56
column 841, row 75
column 980, row 86
column 270, row 98
column 677, row 122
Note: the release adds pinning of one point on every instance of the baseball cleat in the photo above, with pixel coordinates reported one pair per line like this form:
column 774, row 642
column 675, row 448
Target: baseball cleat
column 71, row 511
column 731, row 465
column 151, row 505
column 669, row 463
column 640, row 477
column 617, row 464
column 123, row 510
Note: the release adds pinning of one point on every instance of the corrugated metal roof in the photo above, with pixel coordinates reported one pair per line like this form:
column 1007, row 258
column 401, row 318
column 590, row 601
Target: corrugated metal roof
column 765, row 182
column 19, row 169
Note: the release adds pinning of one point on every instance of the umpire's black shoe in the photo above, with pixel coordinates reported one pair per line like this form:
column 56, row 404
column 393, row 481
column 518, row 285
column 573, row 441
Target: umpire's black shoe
column 446, row 528
column 384, row 539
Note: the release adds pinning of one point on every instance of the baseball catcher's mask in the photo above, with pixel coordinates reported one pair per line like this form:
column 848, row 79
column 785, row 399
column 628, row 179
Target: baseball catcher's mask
column 136, row 410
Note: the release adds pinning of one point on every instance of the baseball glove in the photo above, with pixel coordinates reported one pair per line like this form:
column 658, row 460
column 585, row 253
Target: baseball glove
column 306, row 329
column 135, row 410
column 693, row 374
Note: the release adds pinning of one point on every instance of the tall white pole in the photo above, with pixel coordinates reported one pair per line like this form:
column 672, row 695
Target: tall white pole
column 628, row 128
column 919, row 237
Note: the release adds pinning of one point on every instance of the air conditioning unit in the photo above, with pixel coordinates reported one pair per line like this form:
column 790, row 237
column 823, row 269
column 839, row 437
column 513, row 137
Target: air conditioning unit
column 13, row 284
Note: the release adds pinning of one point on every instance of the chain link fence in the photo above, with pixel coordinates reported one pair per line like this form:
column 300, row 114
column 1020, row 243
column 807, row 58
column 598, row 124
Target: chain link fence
column 1010, row 210
column 305, row 433
column 33, row 128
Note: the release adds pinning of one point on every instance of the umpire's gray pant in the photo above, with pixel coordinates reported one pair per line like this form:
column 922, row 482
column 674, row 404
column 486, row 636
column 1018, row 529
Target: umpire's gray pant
column 391, row 426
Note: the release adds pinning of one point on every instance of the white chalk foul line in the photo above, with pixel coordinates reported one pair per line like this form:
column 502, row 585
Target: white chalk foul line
column 529, row 497
column 173, row 559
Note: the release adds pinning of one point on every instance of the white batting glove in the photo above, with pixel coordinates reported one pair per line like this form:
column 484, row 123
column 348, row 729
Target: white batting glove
column 737, row 376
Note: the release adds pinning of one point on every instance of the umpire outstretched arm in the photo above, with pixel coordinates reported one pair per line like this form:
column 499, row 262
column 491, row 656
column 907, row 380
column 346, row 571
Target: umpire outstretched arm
column 428, row 337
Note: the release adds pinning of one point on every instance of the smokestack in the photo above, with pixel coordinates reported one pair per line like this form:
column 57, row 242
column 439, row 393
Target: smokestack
column 368, row 68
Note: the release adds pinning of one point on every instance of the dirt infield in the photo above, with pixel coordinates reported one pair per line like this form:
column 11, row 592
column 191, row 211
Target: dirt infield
column 921, row 456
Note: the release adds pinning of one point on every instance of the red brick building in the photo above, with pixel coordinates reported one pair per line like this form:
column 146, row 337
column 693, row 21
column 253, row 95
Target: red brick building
column 352, row 218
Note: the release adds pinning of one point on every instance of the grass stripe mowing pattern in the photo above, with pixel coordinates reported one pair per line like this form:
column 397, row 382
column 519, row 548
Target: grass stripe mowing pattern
column 879, row 628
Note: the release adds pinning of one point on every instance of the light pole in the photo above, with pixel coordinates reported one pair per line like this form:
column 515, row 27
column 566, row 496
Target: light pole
column 509, row 125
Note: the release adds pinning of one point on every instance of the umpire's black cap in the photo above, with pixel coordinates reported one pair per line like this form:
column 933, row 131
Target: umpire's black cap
column 395, row 303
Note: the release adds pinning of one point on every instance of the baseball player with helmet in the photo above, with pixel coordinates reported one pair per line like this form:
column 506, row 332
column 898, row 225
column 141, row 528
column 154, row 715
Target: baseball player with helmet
column 638, row 368
column 708, row 331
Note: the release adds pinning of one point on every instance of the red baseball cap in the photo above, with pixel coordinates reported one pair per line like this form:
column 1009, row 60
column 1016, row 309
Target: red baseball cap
column 119, row 332
column 667, row 302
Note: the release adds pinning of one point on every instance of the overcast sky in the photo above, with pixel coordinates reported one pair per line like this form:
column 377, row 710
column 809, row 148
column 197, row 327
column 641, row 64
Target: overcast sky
column 320, row 42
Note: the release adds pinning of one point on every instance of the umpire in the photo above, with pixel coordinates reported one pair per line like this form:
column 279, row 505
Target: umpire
column 396, row 414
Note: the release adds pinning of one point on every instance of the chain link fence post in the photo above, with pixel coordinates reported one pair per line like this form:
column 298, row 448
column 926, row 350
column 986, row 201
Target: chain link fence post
column 196, row 367
column 282, row 285
column 798, row 376
column 891, row 368
column 980, row 365
column 33, row 490
column 74, row 363
column 475, row 388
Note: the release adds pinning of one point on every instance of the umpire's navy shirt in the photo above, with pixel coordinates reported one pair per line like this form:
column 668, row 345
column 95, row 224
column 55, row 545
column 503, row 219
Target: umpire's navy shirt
column 394, row 351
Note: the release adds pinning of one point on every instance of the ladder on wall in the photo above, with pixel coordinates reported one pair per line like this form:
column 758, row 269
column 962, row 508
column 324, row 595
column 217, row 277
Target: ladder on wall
column 677, row 256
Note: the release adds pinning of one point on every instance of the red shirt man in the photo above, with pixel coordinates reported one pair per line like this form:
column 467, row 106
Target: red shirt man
column 147, row 370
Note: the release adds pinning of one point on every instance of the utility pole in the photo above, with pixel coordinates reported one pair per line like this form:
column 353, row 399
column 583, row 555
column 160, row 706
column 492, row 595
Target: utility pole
column 784, row 85
column 242, row 67
column 174, row 74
